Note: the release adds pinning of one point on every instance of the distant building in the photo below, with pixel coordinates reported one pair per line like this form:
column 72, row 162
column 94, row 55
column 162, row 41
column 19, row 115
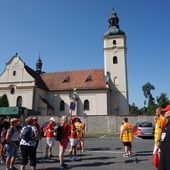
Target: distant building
column 100, row 91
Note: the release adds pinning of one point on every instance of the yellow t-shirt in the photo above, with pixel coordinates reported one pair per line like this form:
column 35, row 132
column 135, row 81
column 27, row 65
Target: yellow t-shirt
column 80, row 129
column 160, row 124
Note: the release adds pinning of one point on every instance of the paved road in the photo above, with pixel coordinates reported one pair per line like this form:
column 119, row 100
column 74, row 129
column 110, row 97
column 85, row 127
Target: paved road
column 101, row 152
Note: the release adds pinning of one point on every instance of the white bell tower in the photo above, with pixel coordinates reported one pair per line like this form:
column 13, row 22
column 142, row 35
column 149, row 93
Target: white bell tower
column 115, row 67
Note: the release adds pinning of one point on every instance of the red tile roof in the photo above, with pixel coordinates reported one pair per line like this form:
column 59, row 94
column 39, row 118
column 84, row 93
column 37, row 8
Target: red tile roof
column 82, row 79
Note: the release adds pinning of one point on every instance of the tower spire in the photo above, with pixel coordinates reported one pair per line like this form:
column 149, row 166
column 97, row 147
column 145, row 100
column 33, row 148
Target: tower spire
column 39, row 65
column 113, row 25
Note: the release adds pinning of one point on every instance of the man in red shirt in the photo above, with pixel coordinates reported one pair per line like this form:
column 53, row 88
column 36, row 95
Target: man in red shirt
column 50, row 137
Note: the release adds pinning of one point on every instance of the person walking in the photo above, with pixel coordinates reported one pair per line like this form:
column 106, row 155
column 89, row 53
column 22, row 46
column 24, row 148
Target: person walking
column 126, row 136
column 73, row 140
column 36, row 124
column 28, row 136
column 80, row 134
column 12, row 145
column 50, row 137
column 165, row 142
column 159, row 127
column 64, row 141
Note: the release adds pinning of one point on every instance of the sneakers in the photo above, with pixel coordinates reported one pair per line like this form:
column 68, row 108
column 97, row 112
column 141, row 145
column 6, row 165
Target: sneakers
column 61, row 167
column 75, row 158
column 13, row 168
column 2, row 161
column 132, row 154
column 51, row 155
column 71, row 159
column 46, row 157
column 125, row 155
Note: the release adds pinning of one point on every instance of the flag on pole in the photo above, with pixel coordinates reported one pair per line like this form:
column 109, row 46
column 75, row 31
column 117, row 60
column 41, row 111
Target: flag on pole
column 155, row 158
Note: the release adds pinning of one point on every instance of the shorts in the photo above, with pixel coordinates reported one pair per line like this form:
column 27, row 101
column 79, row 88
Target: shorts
column 63, row 143
column 73, row 141
column 72, row 106
column 127, row 144
column 11, row 150
column 28, row 151
column 50, row 141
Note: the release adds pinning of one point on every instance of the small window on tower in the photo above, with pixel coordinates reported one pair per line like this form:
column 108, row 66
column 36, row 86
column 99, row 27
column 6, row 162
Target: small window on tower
column 115, row 60
column 14, row 73
column 114, row 42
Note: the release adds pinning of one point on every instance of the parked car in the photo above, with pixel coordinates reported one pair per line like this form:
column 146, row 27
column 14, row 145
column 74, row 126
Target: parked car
column 145, row 129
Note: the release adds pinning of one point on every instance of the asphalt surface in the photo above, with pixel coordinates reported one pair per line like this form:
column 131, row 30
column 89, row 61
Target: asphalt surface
column 101, row 152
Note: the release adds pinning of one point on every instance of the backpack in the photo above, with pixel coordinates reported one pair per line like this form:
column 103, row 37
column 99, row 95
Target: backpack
column 45, row 130
column 58, row 135
column 27, row 134
column 3, row 135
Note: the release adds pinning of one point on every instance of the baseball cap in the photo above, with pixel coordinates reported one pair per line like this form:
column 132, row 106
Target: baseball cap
column 52, row 119
column 73, row 118
column 167, row 108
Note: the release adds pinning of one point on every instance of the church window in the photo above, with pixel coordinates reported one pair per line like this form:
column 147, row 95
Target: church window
column 116, row 81
column 86, row 105
column 115, row 60
column 19, row 101
column 62, row 105
column 114, row 42
column 14, row 73
column 12, row 90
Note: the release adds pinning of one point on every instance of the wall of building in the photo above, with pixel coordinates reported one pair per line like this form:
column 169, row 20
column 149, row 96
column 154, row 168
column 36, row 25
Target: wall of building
column 104, row 124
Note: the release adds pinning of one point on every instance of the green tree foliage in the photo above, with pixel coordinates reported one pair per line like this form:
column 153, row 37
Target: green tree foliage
column 133, row 109
column 147, row 92
column 147, row 88
column 162, row 100
column 4, row 101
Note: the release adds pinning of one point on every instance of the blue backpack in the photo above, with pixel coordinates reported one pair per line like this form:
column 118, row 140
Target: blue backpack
column 27, row 134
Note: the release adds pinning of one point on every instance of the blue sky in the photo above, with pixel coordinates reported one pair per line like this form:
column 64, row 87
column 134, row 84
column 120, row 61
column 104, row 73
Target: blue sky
column 68, row 34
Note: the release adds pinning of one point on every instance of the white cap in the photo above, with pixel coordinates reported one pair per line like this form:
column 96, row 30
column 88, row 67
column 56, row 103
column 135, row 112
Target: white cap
column 52, row 119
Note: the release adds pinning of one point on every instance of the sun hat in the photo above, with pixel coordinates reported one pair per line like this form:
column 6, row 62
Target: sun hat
column 52, row 119
column 167, row 108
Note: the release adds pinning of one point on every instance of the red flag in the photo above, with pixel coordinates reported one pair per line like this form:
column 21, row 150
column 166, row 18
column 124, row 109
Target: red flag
column 155, row 159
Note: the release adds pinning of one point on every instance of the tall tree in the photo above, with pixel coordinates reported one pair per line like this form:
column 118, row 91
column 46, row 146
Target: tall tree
column 4, row 101
column 147, row 88
column 133, row 109
column 162, row 100
column 147, row 92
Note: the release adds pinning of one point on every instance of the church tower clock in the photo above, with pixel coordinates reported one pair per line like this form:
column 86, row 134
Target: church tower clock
column 115, row 67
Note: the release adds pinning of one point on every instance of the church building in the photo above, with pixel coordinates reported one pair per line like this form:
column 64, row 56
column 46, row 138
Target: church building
column 99, row 91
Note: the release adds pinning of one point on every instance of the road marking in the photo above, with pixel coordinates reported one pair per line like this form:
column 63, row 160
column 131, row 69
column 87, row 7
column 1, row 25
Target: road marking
column 122, row 152
column 103, row 136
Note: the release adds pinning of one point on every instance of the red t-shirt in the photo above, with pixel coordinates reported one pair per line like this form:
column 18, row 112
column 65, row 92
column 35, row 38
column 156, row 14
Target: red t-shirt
column 65, row 130
column 73, row 134
column 49, row 134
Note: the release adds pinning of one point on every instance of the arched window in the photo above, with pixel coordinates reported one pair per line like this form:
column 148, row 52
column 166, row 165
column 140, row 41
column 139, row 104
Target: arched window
column 14, row 73
column 115, row 60
column 86, row 105
column 116, row 81
column 62, row 105
column 12, row 90
column 19, row 101
column 114, row 42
